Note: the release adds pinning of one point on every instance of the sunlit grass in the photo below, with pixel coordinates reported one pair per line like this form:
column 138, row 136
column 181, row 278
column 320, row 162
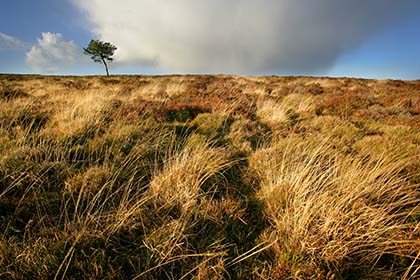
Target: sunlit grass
column 208, row 177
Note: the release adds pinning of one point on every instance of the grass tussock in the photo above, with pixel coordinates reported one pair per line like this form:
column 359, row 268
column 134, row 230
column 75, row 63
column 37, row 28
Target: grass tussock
column 208, row 177
column 341, row 213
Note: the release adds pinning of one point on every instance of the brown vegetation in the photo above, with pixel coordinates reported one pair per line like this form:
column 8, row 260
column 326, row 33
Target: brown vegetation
column 209, row 177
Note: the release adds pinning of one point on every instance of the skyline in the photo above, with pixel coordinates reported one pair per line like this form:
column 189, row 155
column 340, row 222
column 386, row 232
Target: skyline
column 380, row 39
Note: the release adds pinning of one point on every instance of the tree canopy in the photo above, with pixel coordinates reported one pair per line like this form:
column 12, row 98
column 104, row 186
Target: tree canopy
column 100, row 52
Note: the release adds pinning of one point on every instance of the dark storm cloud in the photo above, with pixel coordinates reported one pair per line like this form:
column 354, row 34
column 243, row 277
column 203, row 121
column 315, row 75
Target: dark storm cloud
column 242, row 36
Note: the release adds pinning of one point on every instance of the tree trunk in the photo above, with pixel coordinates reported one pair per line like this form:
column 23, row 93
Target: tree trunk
column 106, row 67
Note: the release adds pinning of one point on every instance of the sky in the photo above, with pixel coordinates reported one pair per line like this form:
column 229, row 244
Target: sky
column 352, row 38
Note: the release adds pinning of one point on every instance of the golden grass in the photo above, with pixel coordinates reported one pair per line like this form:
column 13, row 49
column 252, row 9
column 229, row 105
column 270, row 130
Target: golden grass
column 208, row 177
column 180, row 181
column 272, row 113
column 336, row 210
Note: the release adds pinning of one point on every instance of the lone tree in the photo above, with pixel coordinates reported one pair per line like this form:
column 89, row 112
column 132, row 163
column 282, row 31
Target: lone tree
column 100, row 52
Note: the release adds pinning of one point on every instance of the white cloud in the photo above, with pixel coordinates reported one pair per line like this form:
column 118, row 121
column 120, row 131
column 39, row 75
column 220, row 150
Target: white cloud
column 243, row 36
column 10, row 43
column 52, row 54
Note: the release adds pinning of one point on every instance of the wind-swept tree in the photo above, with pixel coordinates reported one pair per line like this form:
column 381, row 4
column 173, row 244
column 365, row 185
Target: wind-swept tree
column 100, row 52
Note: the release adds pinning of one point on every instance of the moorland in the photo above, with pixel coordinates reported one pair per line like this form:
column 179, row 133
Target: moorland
column 209, row 177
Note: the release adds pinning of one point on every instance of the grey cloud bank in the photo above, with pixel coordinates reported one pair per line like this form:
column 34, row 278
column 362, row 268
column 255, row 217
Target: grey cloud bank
column 242, row 36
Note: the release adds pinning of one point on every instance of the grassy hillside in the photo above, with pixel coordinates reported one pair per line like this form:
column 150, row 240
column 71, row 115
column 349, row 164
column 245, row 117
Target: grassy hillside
column 209, row 177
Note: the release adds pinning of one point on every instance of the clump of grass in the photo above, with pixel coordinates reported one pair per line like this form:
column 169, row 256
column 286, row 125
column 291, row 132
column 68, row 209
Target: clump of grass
column 301, row 103
column 272, row 113
column 179, row 183
column 185, row 110
column 342, row 133
column 285, row 113
column 211, row 124
column 340, row 213
column 245, row 134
